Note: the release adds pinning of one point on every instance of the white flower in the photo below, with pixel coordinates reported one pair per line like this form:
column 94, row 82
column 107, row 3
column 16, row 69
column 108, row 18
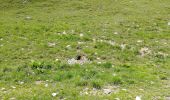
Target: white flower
column 51, row 44
column 54, row 94
column 138, row 98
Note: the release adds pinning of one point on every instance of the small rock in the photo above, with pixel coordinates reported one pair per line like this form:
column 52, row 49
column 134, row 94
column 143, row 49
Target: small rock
column 80, row 42
column 51, row 44
column 38, row 82
column 167, row 98
column 144, row 51
column 72, row 61
column 107, row 91
column 80, row 59
column 111, row 43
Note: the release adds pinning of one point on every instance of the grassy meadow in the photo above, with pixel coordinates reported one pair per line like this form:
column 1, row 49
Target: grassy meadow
column 84, row 49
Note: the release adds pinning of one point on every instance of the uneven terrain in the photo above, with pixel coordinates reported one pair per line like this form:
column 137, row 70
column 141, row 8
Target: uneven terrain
column 84, row 49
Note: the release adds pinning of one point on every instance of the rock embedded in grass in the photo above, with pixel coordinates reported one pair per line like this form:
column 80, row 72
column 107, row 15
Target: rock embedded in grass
column 80, row 59
column 144, row 51
column 107, row 91
column 123, row 46
column 167, row 98
column 51, row 44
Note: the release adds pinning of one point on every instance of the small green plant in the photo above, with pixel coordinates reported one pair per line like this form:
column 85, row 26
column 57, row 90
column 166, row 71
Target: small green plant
column 107, row 65
column 96, row 84
column 82, row 83
column 40, row 67
column 117, row 80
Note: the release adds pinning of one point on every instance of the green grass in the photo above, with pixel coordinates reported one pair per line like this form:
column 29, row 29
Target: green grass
column 28, row 27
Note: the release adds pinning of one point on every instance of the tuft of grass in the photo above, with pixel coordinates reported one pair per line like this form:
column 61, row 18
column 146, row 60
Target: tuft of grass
column 97, row 84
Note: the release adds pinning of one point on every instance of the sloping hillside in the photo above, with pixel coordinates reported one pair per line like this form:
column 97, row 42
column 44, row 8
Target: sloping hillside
column 84, row 49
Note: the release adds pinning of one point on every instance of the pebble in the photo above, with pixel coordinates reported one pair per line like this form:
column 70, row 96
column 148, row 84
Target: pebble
column 107, row 91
